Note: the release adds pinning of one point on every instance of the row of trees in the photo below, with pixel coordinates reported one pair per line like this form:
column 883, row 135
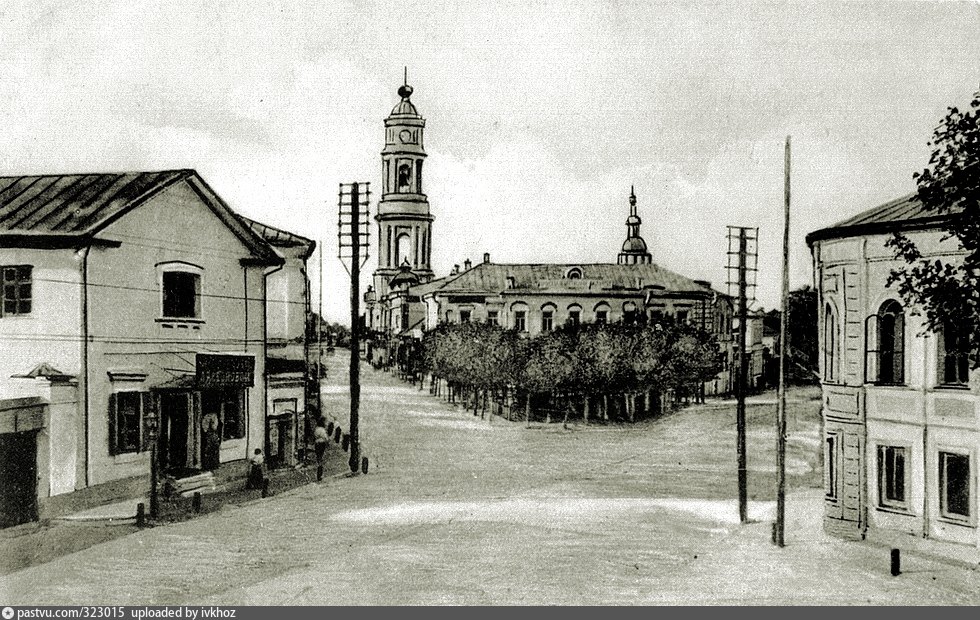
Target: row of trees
column 572, row 369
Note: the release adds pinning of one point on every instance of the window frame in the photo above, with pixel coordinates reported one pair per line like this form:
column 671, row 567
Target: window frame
column 520, row 320
column 961, row 358
column 830, row 351
column 17, row 284
column 943, row 479
column 115, row 446
column 182, row 267
column 886, row 474
column 493, row 317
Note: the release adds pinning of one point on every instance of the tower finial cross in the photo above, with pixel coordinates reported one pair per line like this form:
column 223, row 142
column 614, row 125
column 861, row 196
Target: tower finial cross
column 406, row 76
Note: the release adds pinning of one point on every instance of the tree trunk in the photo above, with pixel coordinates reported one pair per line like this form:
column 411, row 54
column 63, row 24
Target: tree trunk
column 527, row 409
column 585, row 409
column 605, row 407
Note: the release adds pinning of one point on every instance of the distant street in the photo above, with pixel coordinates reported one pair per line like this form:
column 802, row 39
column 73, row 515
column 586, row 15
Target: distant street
column 459, row 510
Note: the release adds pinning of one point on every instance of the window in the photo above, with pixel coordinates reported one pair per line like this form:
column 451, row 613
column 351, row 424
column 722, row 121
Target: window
column 682, row 316
column 404, row 178
column 449, row 316
column 884, row 337
column 405, row 316
column 954, row 355
column 891, row 477
column 229, row 406
column 464, row 316
column 954, row 485
column 520, row 320
column 829, row 344
column 602, row 316
column 16, row 290
column 575, row 273
column 574, row 315
column 403, row 247
column 492, row 317
column 181, row 295
column 125, row 422
column 830, row 466
column 547, row 320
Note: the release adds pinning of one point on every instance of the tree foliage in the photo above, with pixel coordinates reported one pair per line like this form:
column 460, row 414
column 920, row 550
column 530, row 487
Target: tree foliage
column 949, row 188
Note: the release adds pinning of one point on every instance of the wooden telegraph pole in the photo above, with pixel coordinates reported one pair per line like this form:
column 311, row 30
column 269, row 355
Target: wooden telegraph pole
column 780, row 527
column 746, row 252
column 350, row 233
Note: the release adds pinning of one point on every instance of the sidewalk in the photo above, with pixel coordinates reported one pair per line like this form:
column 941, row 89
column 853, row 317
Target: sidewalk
column 40, row 542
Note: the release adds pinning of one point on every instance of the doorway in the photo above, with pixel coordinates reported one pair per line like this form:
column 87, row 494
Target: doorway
column 18, row 478
column 174, row 425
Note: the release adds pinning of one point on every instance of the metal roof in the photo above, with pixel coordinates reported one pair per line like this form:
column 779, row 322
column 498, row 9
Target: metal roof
column 493, row 278
column 905, row 213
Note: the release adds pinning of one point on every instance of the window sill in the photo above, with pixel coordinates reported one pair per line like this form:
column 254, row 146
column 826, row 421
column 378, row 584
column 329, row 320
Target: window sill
column 185, row 323
column 128, row 457
column 898, row 510
column 954, row 520
column 963, row 387
column 886, row 385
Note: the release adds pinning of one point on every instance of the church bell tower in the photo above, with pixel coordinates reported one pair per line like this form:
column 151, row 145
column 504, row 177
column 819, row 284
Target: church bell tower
column 404, row 221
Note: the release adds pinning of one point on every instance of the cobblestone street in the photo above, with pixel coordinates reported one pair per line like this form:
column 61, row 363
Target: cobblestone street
column 460, row 510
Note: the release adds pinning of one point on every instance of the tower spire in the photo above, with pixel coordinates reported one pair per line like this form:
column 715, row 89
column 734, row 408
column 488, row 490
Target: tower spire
column 634, row 248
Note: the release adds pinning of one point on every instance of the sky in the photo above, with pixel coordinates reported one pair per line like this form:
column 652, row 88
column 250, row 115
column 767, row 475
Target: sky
column 540, row 115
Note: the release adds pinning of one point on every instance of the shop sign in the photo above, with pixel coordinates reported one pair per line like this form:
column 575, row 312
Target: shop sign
column 215, row 371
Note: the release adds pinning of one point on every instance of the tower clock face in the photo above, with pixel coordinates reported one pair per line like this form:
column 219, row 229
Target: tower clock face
column 405, row 136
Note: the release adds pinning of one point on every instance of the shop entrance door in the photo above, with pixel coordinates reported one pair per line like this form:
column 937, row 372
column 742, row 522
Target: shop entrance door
column 174, row 425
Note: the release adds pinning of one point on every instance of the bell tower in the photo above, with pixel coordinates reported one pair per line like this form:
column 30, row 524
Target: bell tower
column 404, row 221
column 634, row 248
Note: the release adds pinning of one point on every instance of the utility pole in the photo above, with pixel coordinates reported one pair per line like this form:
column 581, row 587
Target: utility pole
column 780, row 528
column 350, row 238
column 745, row 237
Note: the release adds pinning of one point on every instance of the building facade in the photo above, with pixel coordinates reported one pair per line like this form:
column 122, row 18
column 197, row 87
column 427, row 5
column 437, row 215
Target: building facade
column 134, row 306
column 900, row 406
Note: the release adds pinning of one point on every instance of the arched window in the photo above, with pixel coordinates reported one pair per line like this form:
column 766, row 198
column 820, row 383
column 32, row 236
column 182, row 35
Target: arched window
column 954, row 354
column 548, row 317
column 885, row 345
column 403, row 249
column 601, row 313
column 629, row 312
column 830, row 344
column 404, row 178
column 574, row 314
column 575, row 273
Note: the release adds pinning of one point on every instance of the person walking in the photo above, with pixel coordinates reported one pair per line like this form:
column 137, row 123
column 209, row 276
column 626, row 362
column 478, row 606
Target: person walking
column 256, row 477
column 320, row 439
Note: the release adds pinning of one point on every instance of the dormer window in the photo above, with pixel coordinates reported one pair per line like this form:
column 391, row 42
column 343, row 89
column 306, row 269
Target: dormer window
column 511, row 282
column 575, row 273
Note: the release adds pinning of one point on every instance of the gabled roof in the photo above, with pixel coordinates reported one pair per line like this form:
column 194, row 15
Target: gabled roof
column 493, row 278
column 69, row 210
column 905, row 213
column 281, row 238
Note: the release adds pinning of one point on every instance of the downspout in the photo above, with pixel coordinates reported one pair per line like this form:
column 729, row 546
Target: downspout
column 265, row 350
column 925, row 435
column 84, row 369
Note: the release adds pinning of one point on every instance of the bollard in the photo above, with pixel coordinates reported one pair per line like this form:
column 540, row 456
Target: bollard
column 336, row 434
column 346, row 442
column 896, row 562
column 329, row 428
column 140, row 515
column 265, row 487
column 196, row 503
column 364, row 465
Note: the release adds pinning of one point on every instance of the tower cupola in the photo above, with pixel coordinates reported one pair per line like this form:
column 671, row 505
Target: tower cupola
column 634, row 248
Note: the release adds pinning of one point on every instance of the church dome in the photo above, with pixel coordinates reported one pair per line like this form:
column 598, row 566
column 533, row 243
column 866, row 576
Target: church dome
column 404, row 107
column 404, row 277
column 635, row 245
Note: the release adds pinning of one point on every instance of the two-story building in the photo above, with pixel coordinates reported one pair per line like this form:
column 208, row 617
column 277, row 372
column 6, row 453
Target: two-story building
column 134, row 306
column 900, row 402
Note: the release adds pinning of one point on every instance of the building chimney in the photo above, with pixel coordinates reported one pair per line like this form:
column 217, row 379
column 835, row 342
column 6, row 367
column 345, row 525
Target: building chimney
column 455, row 270
column 467, row 264
column 486, row 257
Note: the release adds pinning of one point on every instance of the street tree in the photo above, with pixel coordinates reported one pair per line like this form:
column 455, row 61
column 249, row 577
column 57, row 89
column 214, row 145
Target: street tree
column 948, row 291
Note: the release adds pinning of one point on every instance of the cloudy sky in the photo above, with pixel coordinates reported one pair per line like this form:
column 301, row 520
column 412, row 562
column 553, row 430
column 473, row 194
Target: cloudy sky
column 540, row 114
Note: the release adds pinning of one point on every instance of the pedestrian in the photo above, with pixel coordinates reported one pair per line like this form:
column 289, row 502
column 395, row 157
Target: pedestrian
column 256, row 478
column 320, row 439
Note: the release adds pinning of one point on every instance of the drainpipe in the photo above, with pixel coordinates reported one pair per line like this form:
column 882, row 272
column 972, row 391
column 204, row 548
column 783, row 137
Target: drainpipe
column 265, row 351
column 84, row 362
column 927, row 339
